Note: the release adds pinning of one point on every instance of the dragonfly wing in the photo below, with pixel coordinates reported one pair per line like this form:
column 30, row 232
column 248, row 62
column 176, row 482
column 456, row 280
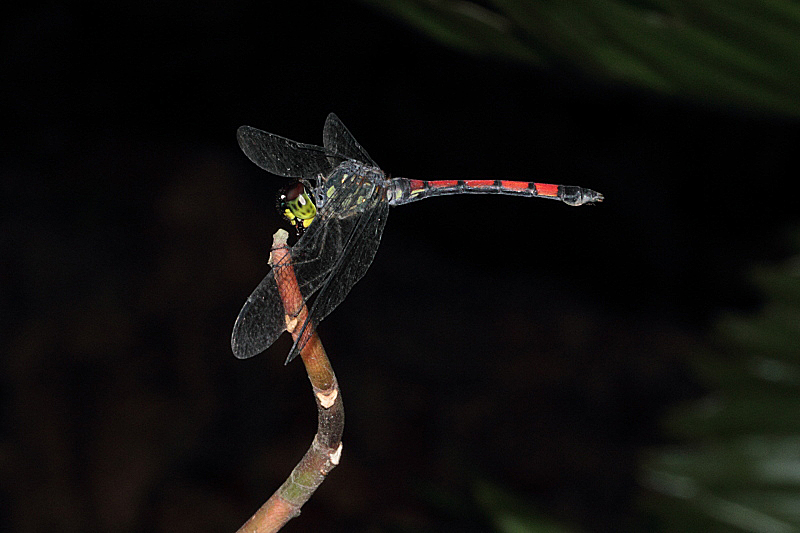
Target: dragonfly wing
column 337, row 139
column 358, row 238
column 332, row 255
column 263, row 316
column 261, row 320
column 283, row 156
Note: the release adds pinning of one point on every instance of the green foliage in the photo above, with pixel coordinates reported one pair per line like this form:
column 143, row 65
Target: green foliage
column 741, row 53
column 738, row 467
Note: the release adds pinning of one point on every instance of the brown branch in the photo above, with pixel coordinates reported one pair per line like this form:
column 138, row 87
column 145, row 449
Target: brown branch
column 325, row 450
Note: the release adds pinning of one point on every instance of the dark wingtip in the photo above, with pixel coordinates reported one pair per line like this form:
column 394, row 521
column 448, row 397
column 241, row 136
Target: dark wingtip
column 295, row 349
column 292, row 355
column 242, row 131
column 238, row 350
column 240, row 346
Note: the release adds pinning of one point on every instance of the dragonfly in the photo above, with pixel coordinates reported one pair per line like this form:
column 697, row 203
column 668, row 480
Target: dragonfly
column 339, row 204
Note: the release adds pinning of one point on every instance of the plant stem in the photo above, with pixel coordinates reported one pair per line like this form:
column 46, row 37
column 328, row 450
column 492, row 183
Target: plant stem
column 326, row 449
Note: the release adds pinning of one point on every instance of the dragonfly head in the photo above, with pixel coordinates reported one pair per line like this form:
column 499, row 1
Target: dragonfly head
column 296, row 206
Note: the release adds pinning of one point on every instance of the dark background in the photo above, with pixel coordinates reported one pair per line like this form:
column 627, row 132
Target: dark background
column 495, row 341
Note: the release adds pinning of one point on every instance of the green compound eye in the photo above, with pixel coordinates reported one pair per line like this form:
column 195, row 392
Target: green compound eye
column 297, row 206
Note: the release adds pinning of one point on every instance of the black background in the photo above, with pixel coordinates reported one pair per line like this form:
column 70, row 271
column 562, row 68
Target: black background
column 508, row 341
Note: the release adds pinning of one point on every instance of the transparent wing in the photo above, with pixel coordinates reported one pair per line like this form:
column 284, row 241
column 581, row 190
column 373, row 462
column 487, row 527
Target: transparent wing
column 338, row 140
column 261, row 320
column 283, row 156
column 361, row 244
column 332, row 255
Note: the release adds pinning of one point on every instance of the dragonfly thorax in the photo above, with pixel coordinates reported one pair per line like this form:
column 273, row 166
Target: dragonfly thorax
column 350, row 189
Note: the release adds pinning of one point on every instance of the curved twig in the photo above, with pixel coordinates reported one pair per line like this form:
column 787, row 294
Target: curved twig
column 326, row 449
